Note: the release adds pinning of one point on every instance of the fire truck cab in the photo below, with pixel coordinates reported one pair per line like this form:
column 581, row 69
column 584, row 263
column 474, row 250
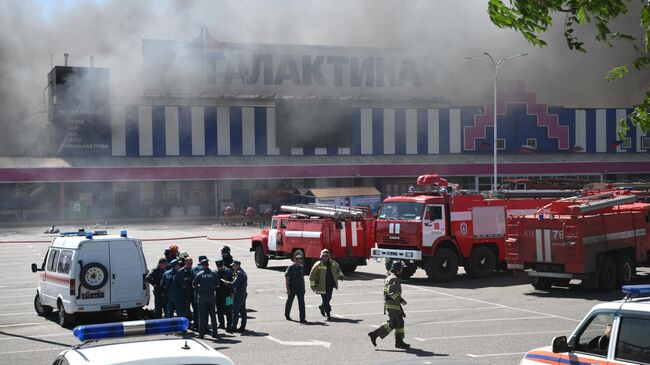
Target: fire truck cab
column 439, row 229
column 346, row 232
column 599, row 239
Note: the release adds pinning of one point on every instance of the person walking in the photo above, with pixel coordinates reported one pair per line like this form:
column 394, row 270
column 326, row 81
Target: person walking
column 153, row 278
column 223, row 296
column 295, row 282
column 204, row 283
column 239, row 284
column 173, row 282
column 393, row 303
column 323, row 279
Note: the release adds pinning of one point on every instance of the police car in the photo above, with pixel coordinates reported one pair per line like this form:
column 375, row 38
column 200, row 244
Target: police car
column 611, row 333
column 169, row 351
column 88, row 271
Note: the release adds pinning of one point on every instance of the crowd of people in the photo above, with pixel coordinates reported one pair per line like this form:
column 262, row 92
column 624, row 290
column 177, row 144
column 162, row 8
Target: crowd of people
column 184, row 289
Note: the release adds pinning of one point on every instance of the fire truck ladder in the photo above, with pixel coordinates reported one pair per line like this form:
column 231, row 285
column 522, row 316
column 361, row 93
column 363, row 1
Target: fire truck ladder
column 323, row 210
column 602, row 204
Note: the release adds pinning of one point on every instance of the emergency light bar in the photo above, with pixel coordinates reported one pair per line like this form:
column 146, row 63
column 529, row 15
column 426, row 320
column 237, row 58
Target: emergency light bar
column 133, row 328
column 636, row 289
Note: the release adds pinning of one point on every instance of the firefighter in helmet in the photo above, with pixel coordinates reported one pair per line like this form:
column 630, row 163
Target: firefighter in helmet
column 393, row 302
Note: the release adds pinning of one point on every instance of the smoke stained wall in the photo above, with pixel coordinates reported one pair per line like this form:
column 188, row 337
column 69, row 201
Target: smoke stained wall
column 112, row 31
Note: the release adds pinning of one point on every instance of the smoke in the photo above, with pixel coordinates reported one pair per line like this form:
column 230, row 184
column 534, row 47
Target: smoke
column 112, row 31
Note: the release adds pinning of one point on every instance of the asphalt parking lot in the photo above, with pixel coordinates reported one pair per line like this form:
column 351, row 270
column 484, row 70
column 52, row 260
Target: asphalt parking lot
column 491, row 321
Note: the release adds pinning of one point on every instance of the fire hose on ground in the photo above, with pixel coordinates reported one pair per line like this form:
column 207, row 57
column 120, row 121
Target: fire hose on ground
column 148, row 239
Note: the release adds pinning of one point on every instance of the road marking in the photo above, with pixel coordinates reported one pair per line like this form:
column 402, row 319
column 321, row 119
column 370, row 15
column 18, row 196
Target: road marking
column 419, row 311
column 300, row 343
column 490, row 335
column 17, row 314
column 491, row 303
column 382, row 302
column 23, row 324
column 37, row 350
column 14, row 304
column 24, row 337
column 494, row 355
column 485, row 320
column 18, row 296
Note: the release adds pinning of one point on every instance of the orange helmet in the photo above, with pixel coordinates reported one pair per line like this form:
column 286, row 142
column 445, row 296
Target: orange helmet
column 174, row 250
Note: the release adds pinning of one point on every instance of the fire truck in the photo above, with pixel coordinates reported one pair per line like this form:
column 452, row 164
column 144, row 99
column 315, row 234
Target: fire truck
column 348, row 233
column 439, row 229
column 599, row 239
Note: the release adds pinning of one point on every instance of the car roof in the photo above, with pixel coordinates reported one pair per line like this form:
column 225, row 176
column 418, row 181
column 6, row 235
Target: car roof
column 635, row 305
column 73, row 242
column 158, row 351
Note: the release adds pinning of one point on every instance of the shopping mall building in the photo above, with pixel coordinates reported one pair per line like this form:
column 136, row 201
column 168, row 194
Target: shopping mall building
column 225, row 124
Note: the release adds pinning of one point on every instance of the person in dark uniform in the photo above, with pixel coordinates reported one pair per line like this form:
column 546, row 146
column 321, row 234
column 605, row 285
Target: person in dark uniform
column 195, row 270
column 393, row 302
column 168, row 254
column 173, row 282
column 226, row 256
column 238, row 284
column 205, row 282
column 192, row 314
column 153, row 278
column 224, row 291
column 295, row 281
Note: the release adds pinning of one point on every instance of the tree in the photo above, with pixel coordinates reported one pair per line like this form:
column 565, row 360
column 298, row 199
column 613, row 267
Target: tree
column 533, row 18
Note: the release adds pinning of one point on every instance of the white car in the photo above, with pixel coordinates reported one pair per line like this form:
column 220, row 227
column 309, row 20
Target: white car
column 91, row 272
column 611, row 333
column 169, row 351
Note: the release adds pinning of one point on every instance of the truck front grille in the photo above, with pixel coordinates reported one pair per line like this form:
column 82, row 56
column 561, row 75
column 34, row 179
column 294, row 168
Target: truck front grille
column 393, row 240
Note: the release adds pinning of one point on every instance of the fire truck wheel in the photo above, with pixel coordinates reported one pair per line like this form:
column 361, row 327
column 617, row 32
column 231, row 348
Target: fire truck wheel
column 482, row 262
column 625, row 269
column 607, row 276
column 349, row 267
column 541, row 283
column 408, row 271
column 307, row 265
column 443, row 266
column 261, row 261
column 562, row 282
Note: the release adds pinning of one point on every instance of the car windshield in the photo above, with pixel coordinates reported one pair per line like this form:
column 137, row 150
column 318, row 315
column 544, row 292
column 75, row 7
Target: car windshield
column 402, row 211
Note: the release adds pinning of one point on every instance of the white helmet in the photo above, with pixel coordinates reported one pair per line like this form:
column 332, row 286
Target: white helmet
column 325, row 252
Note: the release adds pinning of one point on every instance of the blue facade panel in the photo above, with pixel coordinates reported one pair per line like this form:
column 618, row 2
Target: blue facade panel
column 158, row 130
column 185, row 131
column 236, row 132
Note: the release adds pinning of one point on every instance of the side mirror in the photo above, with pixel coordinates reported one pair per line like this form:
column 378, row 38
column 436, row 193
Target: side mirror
column 34, row 268
column 560, row 345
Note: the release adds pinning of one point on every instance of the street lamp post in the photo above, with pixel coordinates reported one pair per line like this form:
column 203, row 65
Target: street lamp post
column 496, row 66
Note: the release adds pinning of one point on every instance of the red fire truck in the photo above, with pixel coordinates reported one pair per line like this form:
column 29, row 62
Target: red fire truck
column 439, row 230
column 348, row 233
column 599, row 239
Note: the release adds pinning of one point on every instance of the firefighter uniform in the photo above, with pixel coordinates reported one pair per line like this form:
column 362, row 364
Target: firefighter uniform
column 173, row 282
column 239, row 285
column 224, row 309
column 154, row 277
column 393, row 307
column 205, row 282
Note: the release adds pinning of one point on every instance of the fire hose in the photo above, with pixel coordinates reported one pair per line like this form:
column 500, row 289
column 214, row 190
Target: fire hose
column 148, row 239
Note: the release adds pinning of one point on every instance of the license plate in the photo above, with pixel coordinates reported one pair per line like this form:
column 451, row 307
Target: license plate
column 92, row 295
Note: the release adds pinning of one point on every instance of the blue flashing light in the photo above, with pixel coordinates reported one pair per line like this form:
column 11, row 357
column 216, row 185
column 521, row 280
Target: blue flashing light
column 123, row 233
column 89, row 235
column 636, row 289
column 134, row 328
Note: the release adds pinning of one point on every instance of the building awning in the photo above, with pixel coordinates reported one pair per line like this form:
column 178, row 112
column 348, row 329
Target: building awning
column 342, row 192
column 51, row 169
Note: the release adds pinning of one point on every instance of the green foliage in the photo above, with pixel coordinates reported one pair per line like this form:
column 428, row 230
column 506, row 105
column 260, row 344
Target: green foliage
column 533, row 18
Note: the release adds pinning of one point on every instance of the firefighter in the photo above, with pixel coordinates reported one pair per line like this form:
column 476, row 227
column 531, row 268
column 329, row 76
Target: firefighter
column 153, row 278
column 173, row 282
column 195, row 270
column 224, row 300
column 323, row 279
column 192, row 315
column 204, row 284
column 226, row 256
column 393, row 303
column 239, row 285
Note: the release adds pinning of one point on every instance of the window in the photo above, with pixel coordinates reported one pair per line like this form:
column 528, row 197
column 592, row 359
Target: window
column 501, row 143
column 627, row 143
column 532, row 142
column 283, row 224
column 594, row 339
column 645, row 142
column 402, row 211
column 65, row 259
column 634, row 340
column 274, row 224
column 435, row 212
column 51, row 261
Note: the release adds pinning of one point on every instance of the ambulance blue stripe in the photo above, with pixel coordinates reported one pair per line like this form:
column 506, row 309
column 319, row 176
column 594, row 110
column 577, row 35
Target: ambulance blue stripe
column 184, row 131
column 400, row 131
column 557, row 358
